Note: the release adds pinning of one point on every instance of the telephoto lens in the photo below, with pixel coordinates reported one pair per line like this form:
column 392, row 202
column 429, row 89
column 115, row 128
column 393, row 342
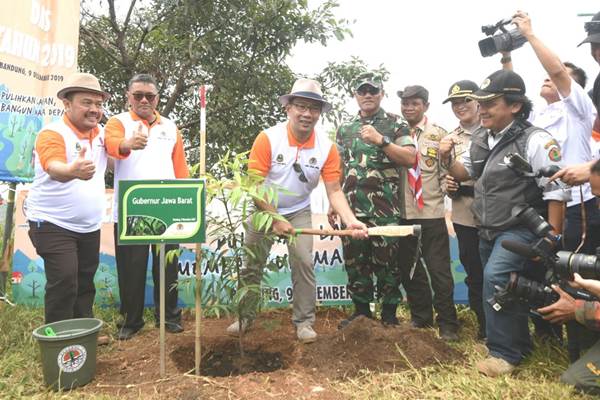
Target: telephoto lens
column 536, row 294
column 586, row 265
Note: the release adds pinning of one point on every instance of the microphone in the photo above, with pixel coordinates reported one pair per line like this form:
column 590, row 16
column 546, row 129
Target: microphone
column 519, row 248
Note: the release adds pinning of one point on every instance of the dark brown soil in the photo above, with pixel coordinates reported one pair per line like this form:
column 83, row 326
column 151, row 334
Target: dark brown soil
column 275, row 364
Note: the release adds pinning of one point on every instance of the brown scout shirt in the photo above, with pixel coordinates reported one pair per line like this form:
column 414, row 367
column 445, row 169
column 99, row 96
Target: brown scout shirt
column 461, row 205
column 428, row 136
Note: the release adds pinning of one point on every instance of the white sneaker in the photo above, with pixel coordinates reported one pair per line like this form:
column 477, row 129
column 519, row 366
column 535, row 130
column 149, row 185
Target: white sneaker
column 234, row 329
column 306, row 334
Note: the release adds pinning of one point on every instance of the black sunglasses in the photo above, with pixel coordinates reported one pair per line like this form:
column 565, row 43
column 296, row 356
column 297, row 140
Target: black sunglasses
column 368, row 89
column 140, row 96
column 299, row 171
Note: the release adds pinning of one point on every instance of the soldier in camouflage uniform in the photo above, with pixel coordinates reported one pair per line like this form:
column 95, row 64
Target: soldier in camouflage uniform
column 375, row 145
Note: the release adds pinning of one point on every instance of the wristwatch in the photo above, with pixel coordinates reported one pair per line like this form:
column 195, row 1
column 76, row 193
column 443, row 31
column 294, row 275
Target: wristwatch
column 385, row 141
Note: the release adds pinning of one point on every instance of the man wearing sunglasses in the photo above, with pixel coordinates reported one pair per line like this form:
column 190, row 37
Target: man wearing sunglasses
column 149, row 147
column 375, row 145
column 293, row 156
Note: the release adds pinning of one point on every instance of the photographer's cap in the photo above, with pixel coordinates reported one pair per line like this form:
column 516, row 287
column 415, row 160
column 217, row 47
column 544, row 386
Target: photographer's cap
column 498, row 84
column 593, row 30
column 460, row 90
column 368, row 78
column 417, row 91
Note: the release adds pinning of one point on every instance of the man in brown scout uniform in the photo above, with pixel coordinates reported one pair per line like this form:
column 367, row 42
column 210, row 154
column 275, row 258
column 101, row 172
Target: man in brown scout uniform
column 425, row 206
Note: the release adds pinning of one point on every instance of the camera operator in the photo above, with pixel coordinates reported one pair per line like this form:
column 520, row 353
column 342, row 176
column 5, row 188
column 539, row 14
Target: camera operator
column 593, row 29
column 568, row 116
column 504, row 109
column 583, row 374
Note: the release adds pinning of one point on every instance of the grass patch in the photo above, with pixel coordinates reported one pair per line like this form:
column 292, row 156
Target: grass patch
column 536, row 378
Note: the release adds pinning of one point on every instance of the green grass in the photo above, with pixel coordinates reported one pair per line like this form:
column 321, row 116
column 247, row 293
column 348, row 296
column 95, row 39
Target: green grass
column 537, row 378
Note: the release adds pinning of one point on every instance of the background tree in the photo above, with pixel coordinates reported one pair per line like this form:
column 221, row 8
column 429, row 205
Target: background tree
column 237, row 46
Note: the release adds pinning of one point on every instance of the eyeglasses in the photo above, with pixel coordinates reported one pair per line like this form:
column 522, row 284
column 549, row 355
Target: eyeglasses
column 140, row 96
column 303, row 108
column 299, row 171
column 367, row 89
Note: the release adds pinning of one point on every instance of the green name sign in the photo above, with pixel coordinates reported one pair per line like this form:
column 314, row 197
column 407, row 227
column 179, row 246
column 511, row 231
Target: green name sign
column 161, row 211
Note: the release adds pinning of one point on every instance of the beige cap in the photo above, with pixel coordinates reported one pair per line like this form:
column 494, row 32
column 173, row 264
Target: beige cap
column 81, row 82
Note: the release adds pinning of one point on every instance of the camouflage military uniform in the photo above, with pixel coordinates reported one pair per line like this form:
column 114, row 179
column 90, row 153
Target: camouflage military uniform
column 375, row 193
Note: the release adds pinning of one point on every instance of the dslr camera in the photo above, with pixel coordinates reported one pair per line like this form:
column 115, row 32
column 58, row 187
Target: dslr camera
column 561, row 266
column 506, row 40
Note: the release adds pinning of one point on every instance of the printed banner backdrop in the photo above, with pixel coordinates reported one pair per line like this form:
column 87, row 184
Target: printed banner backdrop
column 38, row 48
column 28, row 277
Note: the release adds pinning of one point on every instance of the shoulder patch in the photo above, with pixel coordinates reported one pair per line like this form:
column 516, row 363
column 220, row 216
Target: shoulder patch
column 554, row 153
column 551, row 143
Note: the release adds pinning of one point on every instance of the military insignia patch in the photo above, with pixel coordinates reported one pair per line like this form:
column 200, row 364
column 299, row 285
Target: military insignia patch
column 455, row 89
column 429, row 162
column 554, row 154
column 485, row 84
column 432, row 152
column 552, row 142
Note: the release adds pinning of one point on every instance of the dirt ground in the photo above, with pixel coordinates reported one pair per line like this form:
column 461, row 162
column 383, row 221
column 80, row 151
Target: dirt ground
column 275, row 365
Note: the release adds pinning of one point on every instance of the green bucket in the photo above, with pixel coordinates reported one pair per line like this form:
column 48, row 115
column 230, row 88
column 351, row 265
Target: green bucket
column 68, row 350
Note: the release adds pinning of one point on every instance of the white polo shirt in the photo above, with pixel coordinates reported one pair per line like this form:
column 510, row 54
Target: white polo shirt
column 570, row 122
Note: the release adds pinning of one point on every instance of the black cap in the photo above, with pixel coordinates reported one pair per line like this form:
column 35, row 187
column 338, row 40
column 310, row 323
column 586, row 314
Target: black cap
column 414, row 91
column 498, row 84
column 461, row 89
column 593, row 30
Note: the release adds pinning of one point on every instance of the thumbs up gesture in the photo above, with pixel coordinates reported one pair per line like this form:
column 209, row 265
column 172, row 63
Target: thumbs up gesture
column 139, row 139
column 81, row 168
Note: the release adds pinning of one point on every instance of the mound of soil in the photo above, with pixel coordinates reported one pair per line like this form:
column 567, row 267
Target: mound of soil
column 275, row 363
column 367, row 344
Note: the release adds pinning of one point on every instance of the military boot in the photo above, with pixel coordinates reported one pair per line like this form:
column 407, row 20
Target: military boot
column 388, row 314
column 359, row 309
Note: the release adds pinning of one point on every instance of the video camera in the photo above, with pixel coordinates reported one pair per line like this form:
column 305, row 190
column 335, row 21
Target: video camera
column 561, row 266
column 504, row 41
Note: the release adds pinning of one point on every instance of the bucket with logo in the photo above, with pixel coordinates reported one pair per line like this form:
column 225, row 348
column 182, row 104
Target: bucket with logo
column 68, row 350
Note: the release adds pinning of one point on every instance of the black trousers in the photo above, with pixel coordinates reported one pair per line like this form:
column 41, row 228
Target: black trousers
column 468, row 250
column 436, row 253
column 70, row 261
column 132, row 262
column 580, row 338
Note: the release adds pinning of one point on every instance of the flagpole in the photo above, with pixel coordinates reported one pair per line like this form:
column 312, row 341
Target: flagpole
column 202, row 173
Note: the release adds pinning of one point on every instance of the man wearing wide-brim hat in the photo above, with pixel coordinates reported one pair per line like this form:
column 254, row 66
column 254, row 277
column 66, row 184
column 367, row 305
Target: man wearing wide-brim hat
column 499, row 188
column 66, row 201
column 293, row 155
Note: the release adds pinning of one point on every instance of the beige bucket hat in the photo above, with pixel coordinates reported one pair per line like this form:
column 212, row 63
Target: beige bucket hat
column 81, row 82
column 307, row 89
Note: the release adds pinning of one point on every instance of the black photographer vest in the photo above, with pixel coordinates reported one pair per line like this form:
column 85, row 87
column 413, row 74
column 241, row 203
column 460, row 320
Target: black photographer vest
column 498, row 188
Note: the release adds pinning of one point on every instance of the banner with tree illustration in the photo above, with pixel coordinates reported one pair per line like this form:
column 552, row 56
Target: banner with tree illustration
column 38, row 48
column 29, row 280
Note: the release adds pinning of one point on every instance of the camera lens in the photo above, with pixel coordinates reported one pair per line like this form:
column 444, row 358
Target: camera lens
column 584, row 264
column 535, row 293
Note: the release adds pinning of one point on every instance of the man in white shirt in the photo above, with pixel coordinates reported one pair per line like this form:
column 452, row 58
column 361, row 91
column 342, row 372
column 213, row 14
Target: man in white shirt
column 569, row 117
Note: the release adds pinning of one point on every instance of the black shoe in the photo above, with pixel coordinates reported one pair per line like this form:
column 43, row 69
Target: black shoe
column 420, row 325
column 449, row 335
column 388, row 314
column 171, row 327
column 359, row 309
column 126, row 333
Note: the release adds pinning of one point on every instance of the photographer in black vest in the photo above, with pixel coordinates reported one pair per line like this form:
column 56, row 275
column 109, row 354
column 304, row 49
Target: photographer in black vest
column 504, row 110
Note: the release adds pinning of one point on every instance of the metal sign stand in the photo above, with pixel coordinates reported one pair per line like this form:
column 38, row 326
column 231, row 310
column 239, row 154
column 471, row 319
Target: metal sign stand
column 162, row 309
